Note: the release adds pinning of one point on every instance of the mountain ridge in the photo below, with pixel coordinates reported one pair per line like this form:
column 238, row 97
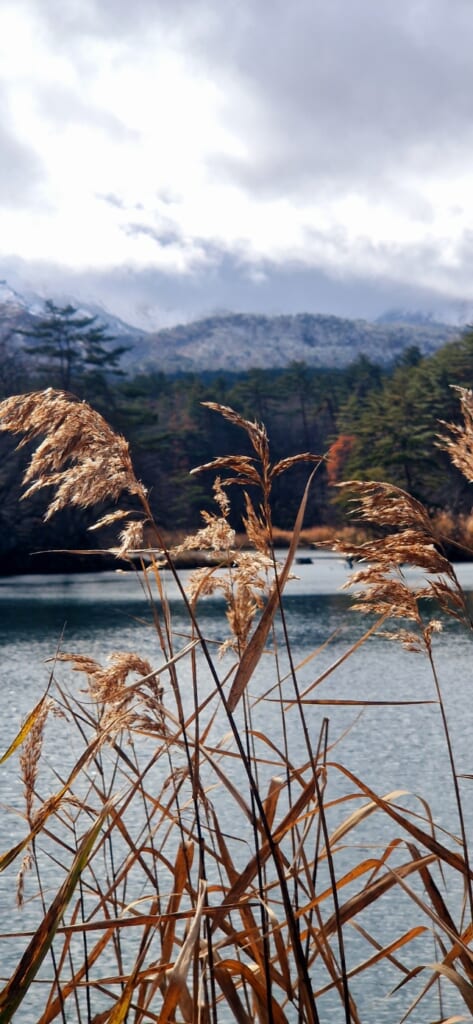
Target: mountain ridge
column 240, row 341
column 237, row 342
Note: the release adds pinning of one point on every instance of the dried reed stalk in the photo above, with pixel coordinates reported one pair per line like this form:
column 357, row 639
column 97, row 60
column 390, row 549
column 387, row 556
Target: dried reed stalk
column 246, row 917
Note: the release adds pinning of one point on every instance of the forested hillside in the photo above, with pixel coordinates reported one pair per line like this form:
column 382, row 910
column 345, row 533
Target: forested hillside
column 235, row 342
column 373, row 421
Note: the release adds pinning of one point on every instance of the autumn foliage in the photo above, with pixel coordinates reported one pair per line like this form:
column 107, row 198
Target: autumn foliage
column 337, row 456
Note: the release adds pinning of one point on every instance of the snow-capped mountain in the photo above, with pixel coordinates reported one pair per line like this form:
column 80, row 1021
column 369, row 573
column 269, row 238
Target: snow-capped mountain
column 32, row 304
column 236, row 342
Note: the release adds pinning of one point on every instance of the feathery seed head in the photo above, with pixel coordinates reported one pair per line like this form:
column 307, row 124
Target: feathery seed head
column 135, row 705
column 108, row 685
column 131, row 538
column 459, row 444
column 80, row 455
column 256, row 431
column 256, row 528
column 412, row 540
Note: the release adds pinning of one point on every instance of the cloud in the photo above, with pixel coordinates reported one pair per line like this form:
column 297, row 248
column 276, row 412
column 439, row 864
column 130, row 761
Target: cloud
column 152, row 297
column 346, row 94
column 318, row 96
column 163, row 236
column 63, row 105
column 321, row 100
column 111, row 199
column 312, row 145
column 76, row 24
column 20, row 169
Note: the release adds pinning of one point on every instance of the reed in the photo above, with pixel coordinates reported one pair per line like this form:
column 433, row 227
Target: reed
column 204, row 868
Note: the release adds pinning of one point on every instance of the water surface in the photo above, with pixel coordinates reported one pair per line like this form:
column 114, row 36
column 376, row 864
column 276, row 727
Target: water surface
column 395, row 745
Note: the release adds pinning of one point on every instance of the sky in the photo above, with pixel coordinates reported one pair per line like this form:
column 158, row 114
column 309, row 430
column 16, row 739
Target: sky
column 171, row 159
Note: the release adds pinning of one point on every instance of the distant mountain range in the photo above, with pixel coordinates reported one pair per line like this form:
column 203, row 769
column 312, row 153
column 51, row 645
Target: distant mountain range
column 240, row 341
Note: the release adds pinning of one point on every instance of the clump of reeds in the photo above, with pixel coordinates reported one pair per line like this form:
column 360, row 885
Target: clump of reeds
column 199, row 892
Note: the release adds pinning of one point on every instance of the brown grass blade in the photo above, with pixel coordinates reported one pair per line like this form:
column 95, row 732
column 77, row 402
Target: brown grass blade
column 384, row 953
column 339, row 661
column 14, row 992
column 245, row 879
column 332, row 702
column 224, row 979
column 235, row 793
column 67, row 988
column 252, row 977
column 282, row 957
column 182, row 866
column 276, row 785
column 443, row 913
column 373, row 892
column 255, row 647
column 360, row 814
column 441, row 852
column 378, row 946
column 178, row 973
column 252, row 939
column 441, row 924
column 450, row 1020
column 464, row 987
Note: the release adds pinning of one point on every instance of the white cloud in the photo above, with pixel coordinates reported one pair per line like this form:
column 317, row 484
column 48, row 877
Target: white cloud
column 333, row 137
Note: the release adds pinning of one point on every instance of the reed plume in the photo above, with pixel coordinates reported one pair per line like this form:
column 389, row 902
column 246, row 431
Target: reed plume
column 80, row 455
column 458, row 442
column 408, row 537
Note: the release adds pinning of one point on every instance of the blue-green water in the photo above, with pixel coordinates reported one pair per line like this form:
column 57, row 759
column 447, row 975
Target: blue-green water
column 392, row 746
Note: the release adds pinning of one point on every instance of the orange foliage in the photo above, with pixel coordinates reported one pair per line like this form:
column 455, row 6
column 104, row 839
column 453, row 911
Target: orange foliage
column 337, row 456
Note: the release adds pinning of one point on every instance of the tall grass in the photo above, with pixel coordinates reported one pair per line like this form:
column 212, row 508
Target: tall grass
column 190, row 862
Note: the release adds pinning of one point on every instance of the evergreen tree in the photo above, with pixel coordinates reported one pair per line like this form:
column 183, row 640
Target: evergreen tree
column 13, row 373
column 396, row 426
column 73, row 350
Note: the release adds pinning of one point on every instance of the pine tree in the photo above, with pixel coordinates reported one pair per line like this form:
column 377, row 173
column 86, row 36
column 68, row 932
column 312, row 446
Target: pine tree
column 72, row 350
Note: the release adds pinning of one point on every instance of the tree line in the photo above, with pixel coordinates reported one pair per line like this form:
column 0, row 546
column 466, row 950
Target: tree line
column 370, row 422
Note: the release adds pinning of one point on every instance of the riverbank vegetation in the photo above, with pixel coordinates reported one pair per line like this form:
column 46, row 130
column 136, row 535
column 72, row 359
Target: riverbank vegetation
column 191, row 862
column 370, row 421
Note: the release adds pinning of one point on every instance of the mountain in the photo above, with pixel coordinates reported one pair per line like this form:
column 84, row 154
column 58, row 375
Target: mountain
column 19, row 309
column 10, row 299
column 240, row 341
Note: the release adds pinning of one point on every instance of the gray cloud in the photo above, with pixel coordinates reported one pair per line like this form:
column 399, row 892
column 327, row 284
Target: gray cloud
column 165, row 235
column 318, row 93
column 153, row 298
column 74, row 21
column 111, row 199
column 348, row 92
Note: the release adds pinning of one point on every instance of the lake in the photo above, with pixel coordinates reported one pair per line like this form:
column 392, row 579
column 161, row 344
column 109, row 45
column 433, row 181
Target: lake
column 390, row 746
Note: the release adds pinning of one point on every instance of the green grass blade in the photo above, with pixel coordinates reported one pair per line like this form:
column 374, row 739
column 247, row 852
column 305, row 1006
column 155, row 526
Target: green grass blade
column 25, row 729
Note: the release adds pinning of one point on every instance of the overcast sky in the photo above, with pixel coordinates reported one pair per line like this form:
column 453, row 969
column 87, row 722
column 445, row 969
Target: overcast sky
column 173, row 158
